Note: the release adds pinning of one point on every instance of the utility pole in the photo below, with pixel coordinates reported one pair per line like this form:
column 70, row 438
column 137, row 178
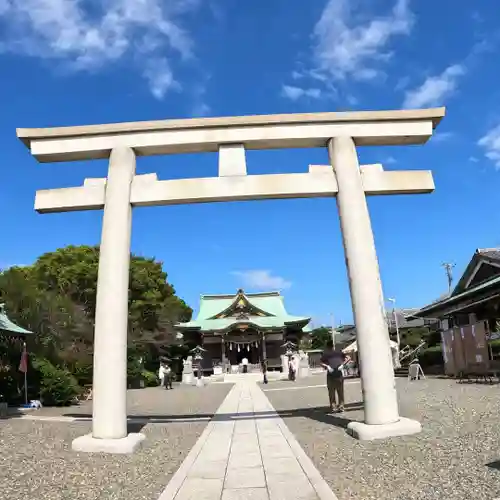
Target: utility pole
column 396, row 325
column 448, row 267
column 333, row 329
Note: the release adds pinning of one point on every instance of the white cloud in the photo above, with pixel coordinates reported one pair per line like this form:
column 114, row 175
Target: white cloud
column 201, row 109
column 346, row 48
column 295, row 93
column 473, row 159
column 435, row 89
column 491, row 143
column 262, row 280
column 160, row 77
column 88, row 35
column 200, row 106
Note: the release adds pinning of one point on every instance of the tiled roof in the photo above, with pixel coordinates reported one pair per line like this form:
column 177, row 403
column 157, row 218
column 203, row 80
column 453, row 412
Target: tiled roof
column 456, row 298
column 270, row 303
column 464, row 288
column 491, row 253
column 7, row 326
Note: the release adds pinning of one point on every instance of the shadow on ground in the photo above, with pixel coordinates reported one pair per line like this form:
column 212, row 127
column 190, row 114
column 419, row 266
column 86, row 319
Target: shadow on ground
column 135, row 427
column 319, row 413
column 13, row 412
column 494, row 465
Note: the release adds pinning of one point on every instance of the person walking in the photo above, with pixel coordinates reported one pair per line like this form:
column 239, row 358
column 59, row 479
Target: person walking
column 333, row 361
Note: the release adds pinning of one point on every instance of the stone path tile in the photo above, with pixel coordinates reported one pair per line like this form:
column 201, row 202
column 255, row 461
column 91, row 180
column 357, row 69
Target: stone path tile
column 200, row 489
column 205, row 469
column 245, row 494
column 248, row 477
column 247, row 453
column 288, row 465
column 240, row 461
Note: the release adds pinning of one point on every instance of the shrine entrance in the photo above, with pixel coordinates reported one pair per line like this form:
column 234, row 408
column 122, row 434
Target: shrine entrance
column 240, row 345
column 343, row 177
column 250, row 352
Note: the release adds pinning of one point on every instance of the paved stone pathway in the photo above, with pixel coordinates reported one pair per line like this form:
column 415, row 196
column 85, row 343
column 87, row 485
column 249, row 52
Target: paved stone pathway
column 247, row 453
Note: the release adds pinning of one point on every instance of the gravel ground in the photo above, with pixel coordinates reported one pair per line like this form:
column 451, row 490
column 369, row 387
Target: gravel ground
column 456, row 457
column 36, row 460
column 182, row 401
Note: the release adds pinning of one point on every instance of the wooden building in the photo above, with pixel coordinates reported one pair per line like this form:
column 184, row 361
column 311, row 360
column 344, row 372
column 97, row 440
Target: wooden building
column 470, row 314
column 245, row 325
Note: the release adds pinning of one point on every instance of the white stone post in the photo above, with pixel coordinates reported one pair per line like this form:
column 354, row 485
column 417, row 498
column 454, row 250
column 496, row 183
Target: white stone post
column 109, row 419
column 377, row 375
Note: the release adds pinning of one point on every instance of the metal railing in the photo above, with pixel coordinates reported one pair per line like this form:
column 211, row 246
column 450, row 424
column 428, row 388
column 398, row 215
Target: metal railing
column 410, row 352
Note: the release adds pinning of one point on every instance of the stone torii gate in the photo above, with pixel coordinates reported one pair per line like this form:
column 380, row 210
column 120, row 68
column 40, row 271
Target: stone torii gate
column 230, row 137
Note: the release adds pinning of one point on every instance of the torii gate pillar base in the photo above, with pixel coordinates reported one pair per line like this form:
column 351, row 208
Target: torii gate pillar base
column 123, row 446
column 370, row 432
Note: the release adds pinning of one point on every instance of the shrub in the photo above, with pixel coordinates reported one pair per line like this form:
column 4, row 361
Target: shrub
column 150, row 378
column 9, row 387
column 82, row 371
column 134, row 372
column 495, row 347
column 431, row 356
column 57, row 386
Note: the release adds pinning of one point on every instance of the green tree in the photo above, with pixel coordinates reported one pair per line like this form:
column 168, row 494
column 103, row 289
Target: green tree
column 320, row 336
column 56, row 299
column 153, row 306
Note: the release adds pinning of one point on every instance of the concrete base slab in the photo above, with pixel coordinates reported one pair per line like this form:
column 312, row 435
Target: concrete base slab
column 90, row 444
column 366, row 432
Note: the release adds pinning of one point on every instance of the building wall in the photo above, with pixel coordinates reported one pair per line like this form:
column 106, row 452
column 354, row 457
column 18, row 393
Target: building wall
column 465, row 348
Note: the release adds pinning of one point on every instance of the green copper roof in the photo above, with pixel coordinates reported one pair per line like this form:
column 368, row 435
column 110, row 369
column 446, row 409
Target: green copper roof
column 7, row 326
column 263, row 310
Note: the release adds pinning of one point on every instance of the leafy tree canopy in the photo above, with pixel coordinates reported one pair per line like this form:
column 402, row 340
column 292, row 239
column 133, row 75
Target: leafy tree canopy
column 56, row 299
column 320, row 336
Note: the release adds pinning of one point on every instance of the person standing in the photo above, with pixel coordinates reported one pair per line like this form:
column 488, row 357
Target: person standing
column 333, row 361
column 168, row 377
column 162, row 373
column 264, row 370
column 244, row 362
column 292, row 370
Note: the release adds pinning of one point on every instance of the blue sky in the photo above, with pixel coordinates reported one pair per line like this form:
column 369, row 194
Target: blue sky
column 68, row 62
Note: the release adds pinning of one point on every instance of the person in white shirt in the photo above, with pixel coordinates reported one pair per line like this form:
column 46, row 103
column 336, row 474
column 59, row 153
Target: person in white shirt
column 244, row 362
column 161, row 374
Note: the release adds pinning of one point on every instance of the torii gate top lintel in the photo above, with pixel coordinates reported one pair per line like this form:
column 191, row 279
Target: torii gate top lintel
column 198, row 135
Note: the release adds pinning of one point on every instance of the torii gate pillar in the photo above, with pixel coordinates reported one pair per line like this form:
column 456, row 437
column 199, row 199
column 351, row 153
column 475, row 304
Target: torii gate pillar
column 109, row 395
column 377, row 375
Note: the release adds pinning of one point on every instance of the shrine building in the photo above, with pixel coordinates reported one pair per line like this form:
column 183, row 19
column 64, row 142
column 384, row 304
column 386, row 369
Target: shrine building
column 246, row 325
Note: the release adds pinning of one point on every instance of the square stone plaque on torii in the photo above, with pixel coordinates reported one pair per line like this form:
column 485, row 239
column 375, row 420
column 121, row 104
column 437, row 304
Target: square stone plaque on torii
column 230, row 137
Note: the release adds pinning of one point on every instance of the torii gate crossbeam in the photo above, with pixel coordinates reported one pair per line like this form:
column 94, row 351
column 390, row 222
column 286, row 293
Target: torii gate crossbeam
column 122, row 190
